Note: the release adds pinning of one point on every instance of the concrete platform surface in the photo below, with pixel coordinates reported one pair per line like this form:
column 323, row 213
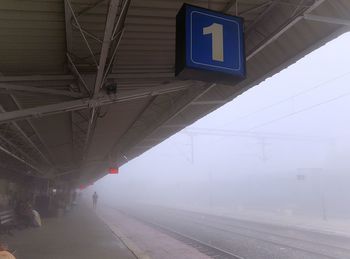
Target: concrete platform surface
column 149, row 242
column 80, row 234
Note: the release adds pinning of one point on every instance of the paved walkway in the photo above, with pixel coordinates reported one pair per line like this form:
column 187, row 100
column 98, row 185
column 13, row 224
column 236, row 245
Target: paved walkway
column 78, row 235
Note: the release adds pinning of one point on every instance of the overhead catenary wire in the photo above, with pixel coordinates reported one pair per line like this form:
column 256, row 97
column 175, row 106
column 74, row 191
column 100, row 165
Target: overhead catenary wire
column 315, row 87
column 319, row 85
column 301, row 110
column 347, row 94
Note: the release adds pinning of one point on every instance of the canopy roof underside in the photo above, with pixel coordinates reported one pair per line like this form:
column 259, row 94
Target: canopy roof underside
column 57, row 56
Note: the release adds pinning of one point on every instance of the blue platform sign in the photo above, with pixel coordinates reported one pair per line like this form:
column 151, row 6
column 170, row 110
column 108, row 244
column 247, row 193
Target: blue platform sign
column 209, row 41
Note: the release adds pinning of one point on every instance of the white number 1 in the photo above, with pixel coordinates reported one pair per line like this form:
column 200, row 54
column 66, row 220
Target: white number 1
column 217, row 40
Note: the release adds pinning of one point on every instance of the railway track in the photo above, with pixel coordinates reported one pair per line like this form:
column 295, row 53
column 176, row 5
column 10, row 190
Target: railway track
column 311, row 247
column 234, row 228
column 203, row 247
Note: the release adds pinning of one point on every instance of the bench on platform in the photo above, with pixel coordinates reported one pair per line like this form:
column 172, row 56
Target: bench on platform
column 7, row 221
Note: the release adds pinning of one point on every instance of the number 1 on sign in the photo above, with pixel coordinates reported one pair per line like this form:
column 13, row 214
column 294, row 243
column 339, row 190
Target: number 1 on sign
column 217, row 39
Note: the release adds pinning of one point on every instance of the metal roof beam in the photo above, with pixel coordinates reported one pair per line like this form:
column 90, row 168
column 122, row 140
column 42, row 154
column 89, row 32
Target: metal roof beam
column 280, row 31
column 70, row 9
column 38, row 90
column 110, row 32
column 107, row 41
column 89, row 103
column 326, row 19
column 213, row 102
column 14, row 148
column 229, row 5
column 253, row 9
column 25, row 136
column 88, row 9
column 8, row 143
column 177, row 108
column 261, row 16
column 174, row 126
column 69, row 29
column 117, row 35
column 36, row 78
column 77, row 73
column 20, row 159
column 132, row 125
column 71, row 78
column 91, row 35
column 18, row 105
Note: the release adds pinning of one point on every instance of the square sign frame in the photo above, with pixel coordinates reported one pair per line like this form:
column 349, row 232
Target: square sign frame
column 209, row 46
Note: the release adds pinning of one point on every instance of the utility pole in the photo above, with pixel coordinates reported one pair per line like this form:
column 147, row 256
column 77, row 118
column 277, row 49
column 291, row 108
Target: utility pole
column 322, row 195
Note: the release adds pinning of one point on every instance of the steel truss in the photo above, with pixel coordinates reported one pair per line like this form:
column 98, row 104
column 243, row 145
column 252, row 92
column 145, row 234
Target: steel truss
column 87, row 97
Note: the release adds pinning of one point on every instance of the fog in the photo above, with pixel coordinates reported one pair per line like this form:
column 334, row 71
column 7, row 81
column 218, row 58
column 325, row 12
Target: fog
column 280, row 148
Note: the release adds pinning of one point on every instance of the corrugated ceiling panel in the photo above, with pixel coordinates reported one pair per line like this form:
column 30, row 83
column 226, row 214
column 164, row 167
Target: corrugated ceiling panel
column 32, row 37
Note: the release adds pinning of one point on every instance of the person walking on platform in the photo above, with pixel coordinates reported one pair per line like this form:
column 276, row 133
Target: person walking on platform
column 94, row 200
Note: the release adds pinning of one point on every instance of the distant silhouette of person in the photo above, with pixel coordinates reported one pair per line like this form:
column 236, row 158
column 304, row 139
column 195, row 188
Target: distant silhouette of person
column 94, row 200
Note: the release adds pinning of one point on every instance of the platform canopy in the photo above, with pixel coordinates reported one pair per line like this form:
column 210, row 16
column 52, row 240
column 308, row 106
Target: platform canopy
column 58, row 57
